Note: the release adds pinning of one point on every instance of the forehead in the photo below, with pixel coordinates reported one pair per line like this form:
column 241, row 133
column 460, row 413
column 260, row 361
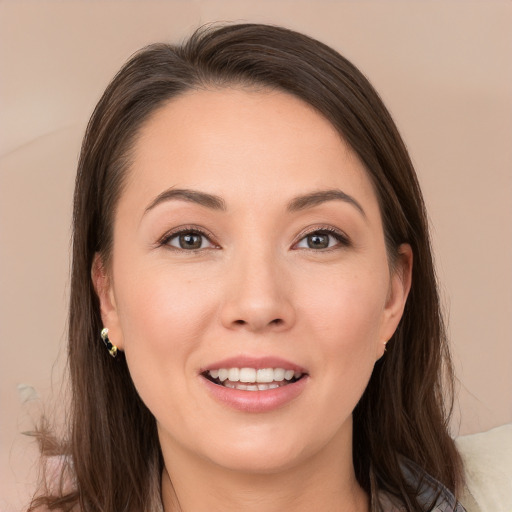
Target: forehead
column 243, row 143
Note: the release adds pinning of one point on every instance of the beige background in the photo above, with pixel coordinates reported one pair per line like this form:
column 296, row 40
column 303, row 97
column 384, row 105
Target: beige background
column 443, row 68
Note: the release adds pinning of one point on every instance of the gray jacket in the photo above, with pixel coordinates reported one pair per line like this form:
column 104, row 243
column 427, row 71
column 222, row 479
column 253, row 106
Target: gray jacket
column 432, row 495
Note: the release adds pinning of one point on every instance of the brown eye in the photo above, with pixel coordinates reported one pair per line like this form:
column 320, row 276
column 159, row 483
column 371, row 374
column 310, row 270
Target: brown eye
column 323, row 239
column 188, row 240
column 318, row 241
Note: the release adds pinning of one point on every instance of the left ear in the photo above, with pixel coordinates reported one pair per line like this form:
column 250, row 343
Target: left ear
column 399, row 287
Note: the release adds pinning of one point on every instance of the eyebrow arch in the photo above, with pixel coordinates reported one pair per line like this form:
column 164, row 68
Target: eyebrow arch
column 315, row 198
column 217, row 203
column 193, row 196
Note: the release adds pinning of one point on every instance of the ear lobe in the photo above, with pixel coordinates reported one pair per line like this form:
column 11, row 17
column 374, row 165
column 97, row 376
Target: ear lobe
column 103, row 286
column 400, row 285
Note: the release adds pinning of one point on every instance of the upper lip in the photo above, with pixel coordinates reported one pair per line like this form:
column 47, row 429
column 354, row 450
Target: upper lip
column 256, row 362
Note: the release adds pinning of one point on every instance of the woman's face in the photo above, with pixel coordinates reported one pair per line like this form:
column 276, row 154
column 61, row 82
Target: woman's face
column 248, row 237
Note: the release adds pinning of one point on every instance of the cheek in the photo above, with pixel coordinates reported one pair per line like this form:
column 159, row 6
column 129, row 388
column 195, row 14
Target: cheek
column 163, row 321
column 344, row 321
column 162, row 307
column 348, row 310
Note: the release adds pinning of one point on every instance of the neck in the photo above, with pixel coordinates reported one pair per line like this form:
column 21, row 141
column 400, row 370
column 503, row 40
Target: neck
column 325, row 481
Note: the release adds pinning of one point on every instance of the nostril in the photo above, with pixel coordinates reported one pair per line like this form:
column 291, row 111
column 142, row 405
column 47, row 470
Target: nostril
column 276, row 321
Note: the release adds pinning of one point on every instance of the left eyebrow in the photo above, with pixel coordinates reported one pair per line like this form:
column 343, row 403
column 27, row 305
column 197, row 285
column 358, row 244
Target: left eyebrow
column 315, row 198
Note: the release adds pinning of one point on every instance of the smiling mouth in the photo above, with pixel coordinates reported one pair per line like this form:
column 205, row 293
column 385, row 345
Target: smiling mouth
column 252, row 379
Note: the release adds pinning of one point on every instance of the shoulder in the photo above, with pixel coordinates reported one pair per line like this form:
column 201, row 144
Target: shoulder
column 487, row 458
column 431, row 494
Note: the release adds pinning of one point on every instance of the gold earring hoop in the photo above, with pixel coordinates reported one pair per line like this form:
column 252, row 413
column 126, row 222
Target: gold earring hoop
column 112, row 349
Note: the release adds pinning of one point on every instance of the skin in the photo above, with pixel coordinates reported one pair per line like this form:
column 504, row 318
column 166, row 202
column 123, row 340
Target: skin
column 254, row 288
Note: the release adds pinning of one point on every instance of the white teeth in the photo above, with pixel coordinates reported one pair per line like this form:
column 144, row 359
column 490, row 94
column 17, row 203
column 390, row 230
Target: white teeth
column 267, row 376
column 251, row 387
column 279, row 374
column 247, row 375
column 288, row 374
column 234, row 385
column 233, row 374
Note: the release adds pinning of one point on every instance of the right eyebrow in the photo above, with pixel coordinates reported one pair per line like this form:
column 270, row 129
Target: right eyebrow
column 208, row 200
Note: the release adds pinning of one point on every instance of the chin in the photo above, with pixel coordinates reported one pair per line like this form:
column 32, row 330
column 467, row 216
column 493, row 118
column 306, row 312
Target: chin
column 262, row 463
column 259, row 454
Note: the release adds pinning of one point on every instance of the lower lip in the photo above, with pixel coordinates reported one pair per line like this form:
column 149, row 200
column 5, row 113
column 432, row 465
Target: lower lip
column 256, row 401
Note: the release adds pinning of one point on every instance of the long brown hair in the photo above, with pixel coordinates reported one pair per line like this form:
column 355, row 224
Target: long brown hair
column 112, row 451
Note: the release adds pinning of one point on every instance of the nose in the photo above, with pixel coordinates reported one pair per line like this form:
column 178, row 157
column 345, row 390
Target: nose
column 258, row 296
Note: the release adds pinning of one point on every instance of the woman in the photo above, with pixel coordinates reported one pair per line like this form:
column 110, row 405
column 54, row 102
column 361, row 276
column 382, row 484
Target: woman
column 251, row 247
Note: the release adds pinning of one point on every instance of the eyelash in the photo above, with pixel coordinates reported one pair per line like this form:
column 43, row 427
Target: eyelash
column 343, row 240
column 192, row 230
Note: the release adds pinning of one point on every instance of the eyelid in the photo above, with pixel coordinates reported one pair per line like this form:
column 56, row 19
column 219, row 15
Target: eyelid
column 343, row 239
column 189, row 228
